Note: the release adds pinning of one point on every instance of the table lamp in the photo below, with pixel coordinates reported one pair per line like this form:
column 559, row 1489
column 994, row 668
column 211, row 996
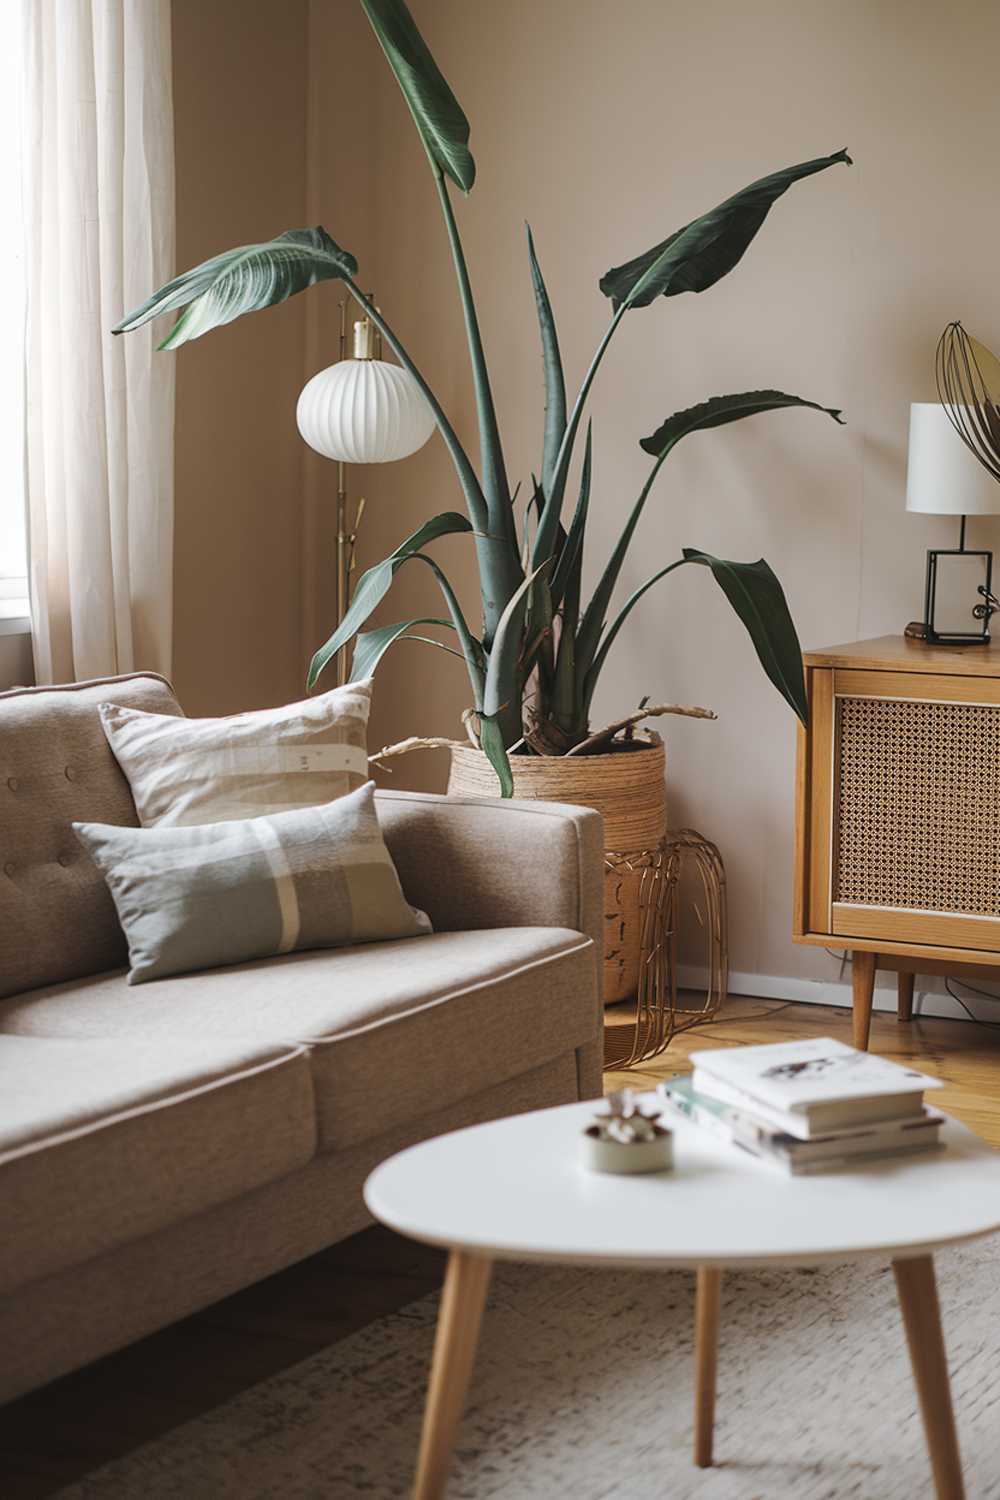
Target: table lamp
column 944, row 478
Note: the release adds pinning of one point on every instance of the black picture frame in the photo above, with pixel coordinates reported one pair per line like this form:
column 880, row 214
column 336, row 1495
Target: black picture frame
column 952, row 637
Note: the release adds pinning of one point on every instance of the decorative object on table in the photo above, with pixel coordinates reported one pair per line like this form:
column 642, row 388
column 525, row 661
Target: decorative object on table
column 360, row 411
column 625, row 1138
column 944, row 478
column 534, row 667
column 897, row 857
column 830, row 1151
column 206, row 895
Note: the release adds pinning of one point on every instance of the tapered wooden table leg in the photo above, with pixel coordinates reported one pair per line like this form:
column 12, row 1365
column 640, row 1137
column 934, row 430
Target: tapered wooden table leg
column 462, row 1301
column 706, row 1351
column 904, row 992
column 863, row 980
column 918, row 1300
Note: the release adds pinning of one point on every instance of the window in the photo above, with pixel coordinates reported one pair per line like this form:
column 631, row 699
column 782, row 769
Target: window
column 13, row 543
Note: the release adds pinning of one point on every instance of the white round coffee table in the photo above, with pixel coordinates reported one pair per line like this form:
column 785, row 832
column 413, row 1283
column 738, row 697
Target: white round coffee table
column 513, row 1190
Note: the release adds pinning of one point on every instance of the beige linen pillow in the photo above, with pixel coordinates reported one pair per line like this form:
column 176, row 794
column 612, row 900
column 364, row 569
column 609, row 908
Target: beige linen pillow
column 222, row 893
column 187, row 771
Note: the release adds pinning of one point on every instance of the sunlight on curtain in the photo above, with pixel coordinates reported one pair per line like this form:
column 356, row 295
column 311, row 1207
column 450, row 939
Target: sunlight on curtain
column 100, row 217
column 13, row 566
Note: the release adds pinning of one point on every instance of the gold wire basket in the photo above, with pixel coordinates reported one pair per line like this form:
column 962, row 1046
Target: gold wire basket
column 659, row 1014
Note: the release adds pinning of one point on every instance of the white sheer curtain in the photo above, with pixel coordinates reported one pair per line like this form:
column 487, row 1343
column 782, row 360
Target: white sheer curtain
column 99, row 180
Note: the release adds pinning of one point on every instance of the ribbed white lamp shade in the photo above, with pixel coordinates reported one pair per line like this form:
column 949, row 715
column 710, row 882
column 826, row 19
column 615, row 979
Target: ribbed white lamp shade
column 942, row 477
column 364, row 411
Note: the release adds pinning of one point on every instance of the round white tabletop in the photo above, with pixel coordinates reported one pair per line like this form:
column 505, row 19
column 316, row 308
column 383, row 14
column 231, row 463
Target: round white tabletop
column 514, row 1190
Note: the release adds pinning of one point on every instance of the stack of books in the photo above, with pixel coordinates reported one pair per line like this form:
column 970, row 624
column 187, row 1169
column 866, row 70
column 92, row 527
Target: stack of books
column 807, row 1106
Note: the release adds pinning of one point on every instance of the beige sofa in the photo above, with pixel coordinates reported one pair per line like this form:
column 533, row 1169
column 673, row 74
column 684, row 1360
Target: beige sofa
column 163, row 1146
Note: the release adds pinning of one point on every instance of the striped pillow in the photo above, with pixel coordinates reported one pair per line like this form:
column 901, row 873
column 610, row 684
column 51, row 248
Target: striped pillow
column 186, row 771
column 222, row 893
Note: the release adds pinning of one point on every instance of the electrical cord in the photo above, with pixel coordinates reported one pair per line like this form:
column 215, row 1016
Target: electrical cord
column 993, row 1025
column 758, row 1015
column 845, row 962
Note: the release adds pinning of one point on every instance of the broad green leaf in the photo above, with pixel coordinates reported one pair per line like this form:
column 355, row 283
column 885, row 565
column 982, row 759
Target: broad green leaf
column 491, row 740
column 698, row 255
column 502, row 566
column 713, row 413
column 436, row 112
column 567, row 687
column 374, row 584
column 241, row 281
column 569, row 560
column 371, row 645
column 555, row 384
column 502, row 684
column 757, row 597
column 719, row 411
column 548, row 521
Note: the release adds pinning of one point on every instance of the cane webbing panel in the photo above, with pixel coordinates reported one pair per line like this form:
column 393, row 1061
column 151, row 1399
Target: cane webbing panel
column 917, row 805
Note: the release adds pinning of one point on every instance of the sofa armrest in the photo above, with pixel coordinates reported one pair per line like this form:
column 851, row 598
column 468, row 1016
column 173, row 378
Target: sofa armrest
column 481, row 862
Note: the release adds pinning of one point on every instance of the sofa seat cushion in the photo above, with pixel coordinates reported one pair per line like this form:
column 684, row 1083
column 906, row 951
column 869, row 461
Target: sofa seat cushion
column 396, row 1029
column 103, row 1141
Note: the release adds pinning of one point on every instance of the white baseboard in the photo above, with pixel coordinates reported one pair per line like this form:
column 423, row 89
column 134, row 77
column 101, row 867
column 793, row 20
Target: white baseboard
column 929, row 999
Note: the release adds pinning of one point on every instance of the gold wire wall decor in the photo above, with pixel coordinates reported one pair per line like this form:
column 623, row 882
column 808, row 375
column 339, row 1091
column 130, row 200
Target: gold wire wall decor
column 660, row 1012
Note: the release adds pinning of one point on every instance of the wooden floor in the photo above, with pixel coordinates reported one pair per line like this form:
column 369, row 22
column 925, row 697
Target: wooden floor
column 55, row 1435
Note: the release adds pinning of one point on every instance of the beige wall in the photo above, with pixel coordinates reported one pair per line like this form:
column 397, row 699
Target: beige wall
column 607, row 135
column 240, row 118
column 16, row 666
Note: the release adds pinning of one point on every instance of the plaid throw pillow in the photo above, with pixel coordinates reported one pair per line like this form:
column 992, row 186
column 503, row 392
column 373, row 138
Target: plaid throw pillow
column 222, row 893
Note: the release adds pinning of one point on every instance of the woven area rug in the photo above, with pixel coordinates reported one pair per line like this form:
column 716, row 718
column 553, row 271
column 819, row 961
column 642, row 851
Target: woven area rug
column 583, row 1389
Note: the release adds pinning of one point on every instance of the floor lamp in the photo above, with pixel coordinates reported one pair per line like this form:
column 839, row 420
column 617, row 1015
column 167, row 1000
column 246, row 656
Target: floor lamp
column 362, row 410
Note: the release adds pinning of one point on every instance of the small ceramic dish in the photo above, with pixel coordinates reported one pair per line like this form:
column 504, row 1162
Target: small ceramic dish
column 598, row 1154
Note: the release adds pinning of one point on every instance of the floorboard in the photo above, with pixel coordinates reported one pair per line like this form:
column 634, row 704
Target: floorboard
column 55, row 1435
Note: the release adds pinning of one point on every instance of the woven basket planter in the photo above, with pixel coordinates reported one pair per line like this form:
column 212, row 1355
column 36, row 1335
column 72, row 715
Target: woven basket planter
column 628, row 790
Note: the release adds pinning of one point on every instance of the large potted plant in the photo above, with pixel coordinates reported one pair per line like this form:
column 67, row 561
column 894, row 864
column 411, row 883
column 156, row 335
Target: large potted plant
column 535, row 661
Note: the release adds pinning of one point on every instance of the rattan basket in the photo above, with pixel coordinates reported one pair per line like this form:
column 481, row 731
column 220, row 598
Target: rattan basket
column 629, row 791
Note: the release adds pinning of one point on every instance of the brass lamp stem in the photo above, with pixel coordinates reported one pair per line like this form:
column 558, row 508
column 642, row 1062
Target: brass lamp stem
column 367, row 345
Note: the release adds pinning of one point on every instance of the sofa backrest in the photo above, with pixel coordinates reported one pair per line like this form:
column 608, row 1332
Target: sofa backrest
column 57, row 920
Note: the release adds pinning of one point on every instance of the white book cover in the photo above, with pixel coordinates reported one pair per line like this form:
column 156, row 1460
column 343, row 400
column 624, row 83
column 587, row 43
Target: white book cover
column 819, row 1070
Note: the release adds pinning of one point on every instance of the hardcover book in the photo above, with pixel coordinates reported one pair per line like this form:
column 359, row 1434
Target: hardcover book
column 811, row 1086
column 831, row 1151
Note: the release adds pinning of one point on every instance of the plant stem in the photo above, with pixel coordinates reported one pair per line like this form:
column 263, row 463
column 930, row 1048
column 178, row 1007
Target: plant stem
column 471, row 488
column 494, row 473
column 594, row 671
column 467, row 641
column 593, row 615
column 501, row 568
column 549, row 520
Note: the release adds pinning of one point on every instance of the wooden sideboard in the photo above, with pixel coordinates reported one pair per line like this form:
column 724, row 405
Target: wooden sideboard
column 898, row 813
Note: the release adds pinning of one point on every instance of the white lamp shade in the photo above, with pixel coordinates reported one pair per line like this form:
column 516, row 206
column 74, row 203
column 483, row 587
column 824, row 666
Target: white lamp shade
column 364, row 411
column 942, row 477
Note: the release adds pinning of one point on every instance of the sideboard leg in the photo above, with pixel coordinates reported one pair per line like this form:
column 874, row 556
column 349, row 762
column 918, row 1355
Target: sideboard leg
column 904, row 990
column 918, row 1302
column 863, row 977
column 706, row 1357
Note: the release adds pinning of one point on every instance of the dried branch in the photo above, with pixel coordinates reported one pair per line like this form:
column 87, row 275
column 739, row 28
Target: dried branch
column 414, row 742
column 605, row 736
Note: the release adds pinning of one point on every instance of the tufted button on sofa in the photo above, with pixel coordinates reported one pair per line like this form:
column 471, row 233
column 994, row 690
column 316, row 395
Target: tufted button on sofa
column 163, row 1146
